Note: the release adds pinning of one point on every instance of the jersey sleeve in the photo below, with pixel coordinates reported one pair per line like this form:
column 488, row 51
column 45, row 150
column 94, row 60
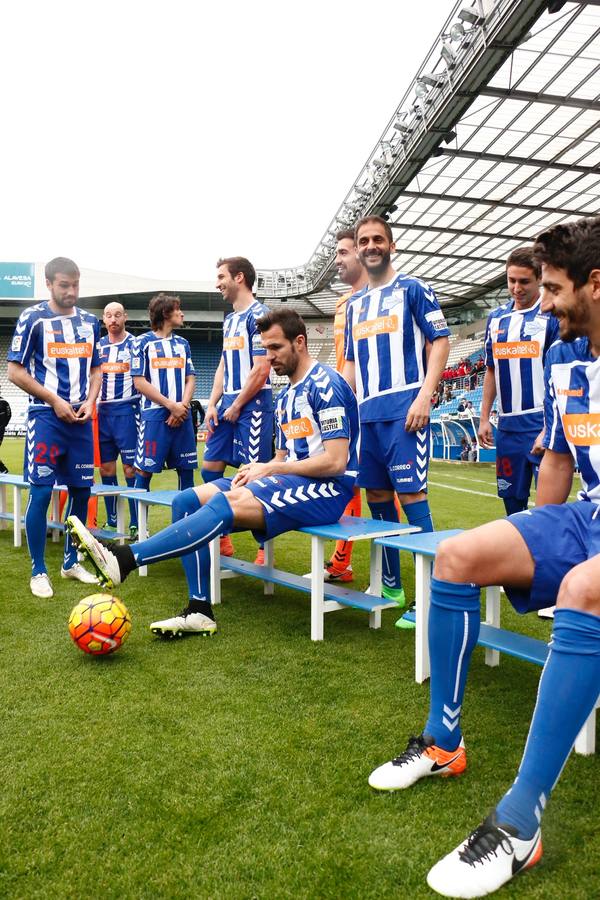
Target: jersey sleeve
column 189, row 365
column 554, row 436
column 254, row 339
column 427, row 311
column 348, row 341
column 487, row 345
column 96, row 350
column 280, row 443
column 552, row 332
column 329, row 399
column 22, row 343
column 139, row 361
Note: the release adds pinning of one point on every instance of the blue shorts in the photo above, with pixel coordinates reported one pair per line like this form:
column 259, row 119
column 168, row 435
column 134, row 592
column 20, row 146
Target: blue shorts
column 515, row 465
column 118, row 430
column 559, row 537
column 58, row 452
column 159, row 443
column 392, row 458
column 291, row 501
column 250, row 439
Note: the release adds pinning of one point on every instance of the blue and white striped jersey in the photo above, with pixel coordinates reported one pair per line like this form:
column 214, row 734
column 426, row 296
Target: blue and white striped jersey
column 241, row 344
column 164, row 362
column 318, row 408
column 115, row 365
column 386, row 330
column 59, row 351
column 572, row 409
column 516, row 343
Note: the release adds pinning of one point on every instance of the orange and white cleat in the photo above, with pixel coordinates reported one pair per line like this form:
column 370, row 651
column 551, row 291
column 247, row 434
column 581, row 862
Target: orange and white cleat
column 421, row 758
column 226, row 546
column 260, row 557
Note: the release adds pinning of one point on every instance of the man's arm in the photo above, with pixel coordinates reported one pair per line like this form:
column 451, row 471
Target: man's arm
column 329, row 464
column 212, row 417
column 188, row 392
column 255, row 381
column 85, row 411
column 485, row 433
column 420, row 409
column 19, row 376
column 153, row 394
column 349, row 374
column 555, row 478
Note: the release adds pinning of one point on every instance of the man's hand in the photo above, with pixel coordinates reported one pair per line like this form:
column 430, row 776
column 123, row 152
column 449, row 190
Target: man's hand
column 85, row 411
column 418, row 415
column 212, row 417
column 485, row 433
column 64, row 411
column 250, row 472
column 174, row 422
column 231, row 414
column 538, row 448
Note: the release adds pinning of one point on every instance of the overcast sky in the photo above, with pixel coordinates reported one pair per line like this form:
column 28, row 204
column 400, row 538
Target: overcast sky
column 150, row 137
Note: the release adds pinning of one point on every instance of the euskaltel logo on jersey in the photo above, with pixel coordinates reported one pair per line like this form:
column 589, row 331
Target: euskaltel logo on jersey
column 582, row 429
column 69, row 351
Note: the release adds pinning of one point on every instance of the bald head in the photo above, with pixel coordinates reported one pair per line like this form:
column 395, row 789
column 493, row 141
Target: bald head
column 114, row 318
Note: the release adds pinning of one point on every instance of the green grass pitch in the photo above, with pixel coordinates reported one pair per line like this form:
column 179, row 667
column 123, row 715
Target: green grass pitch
column 236, row 766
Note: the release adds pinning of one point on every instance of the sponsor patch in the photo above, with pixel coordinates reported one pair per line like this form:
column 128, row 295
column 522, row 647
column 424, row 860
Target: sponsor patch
column 167, row 362
column 582, row 429
column 516, row 350
column 16, row 343
column 372, row 327
column 570, row 392
column 234, row 343
column 435, row 315
column 331, row 419
column 298, row 428
column 69, row 351
column 114, row 368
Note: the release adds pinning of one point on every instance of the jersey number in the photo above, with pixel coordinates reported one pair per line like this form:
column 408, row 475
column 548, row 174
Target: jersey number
column 504, row 467
column 150, row 448
column 42, row 453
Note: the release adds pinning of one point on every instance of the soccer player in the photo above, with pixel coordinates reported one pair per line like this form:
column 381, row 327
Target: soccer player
column 239, row 416
column 549, row 553
column 309, row 480
column 388, row 324
column 118, row 410
column 351, row 271
column 54, row 357
column 163, row 373
column 518, row 336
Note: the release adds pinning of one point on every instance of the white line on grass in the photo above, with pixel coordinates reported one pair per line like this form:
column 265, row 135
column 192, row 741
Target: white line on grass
column 452, row 487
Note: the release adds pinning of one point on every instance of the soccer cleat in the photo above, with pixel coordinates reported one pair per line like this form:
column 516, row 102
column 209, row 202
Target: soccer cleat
column 337, row 576
column 187, row 622
column 112, row 566
column 260, row 557
column 396, row 595
column 226, row 546
column 108, row 527
column 78, row 573
column 405, row 624
column 40, row 586
column 489, row 858
column 133, row 532
column 421, row 758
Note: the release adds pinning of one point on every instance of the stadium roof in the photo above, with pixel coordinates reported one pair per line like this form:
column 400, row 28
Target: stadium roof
column 496, row 138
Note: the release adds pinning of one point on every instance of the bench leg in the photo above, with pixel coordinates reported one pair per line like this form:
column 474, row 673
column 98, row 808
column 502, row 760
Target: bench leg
column 120, row 502
column 55, row 515
column 142, row 528
column 215, row 571
column 268, row 586
column 492, row 617
column 17, row 512
column 423, row 566
column 375, row 582
column 3, row 505
column 317, row 590
column 585, row 743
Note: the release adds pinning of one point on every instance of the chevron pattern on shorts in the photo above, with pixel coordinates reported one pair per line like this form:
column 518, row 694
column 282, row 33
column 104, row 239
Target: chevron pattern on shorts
column 30, row 445
column 303, row 493
column 422, row 457
column 254, row 437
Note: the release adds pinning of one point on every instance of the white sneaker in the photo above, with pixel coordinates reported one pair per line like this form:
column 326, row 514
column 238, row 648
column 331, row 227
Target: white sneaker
column 40, row 586
column 187, row 622
column 547, row 613
column 421, row 758
column 489, row 858
column 79, row 574
column 104, row 561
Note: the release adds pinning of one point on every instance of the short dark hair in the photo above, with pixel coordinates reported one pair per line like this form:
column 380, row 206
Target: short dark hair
column 237, row 264
column 346, row 234
column 60, row 264
column 161, row 306
column 366, row 219
column 288, row 320
column 574, row 247
column 523, row 257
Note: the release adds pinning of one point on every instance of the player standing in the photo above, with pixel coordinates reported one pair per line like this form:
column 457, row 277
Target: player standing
column 163, row 373
column 518, row 336
column 549, row 553
column 53, row 356
column 309, row 480
column 118, row 410
column 387, row 326
column 239, row 415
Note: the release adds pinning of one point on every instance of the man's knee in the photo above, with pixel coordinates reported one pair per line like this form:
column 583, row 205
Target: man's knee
column 205, row 491
column 128, row 470
column 453, row 560
column 407, row 499
column 579, row 590
column 379, row 495
column 213, row 465
column 107, row 469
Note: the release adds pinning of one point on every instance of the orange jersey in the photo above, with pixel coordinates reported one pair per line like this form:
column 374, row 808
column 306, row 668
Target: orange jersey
column 339, row 327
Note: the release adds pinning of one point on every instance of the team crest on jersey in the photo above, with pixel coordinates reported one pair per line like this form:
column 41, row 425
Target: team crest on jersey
column 43, row 471
column 124, row 355
column 84, row 331
column 534, row 327
column 179, row 349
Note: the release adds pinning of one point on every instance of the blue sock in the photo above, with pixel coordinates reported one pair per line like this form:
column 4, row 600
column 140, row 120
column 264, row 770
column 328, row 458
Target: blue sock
column 195, row 565
column 142, row 481
column 188, row 534
column 390, row 575
column 567, row 693
column 185, row 479
column 208, row 475
column 515, row 504
column 77, row 505
column 418, row 514
column 133, row 517
column 454, row 617
column 35, row 525
column 110, row 502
